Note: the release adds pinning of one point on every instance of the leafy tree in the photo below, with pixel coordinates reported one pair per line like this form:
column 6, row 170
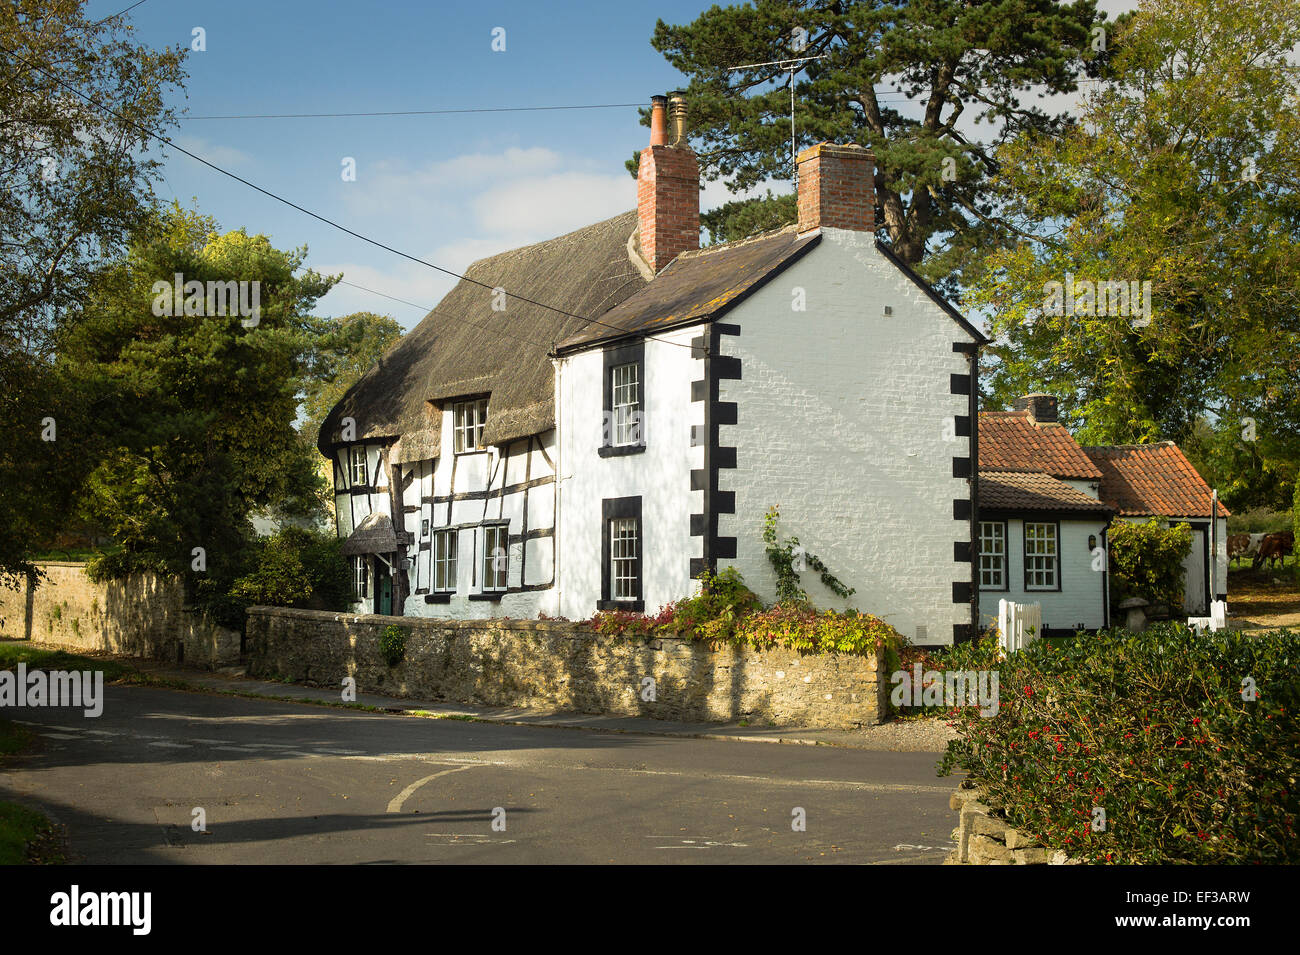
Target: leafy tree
column 1183, row 173
column 346, row 350
column 1146, row 560
column 196, row 408
column 75, row 181
column 1249, row 469
column 954, row 60
column 745, row 217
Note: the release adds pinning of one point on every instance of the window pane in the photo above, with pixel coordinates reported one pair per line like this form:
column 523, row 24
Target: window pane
column 1040, row 556
column 626, row 400
column 992, row 554
column 496, row 557
column 623, row 558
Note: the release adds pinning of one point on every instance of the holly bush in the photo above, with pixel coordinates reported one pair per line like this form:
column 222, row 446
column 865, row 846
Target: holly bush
column 1189, row 744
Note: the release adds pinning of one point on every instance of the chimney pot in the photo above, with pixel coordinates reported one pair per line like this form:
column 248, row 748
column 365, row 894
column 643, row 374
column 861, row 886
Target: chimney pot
column 677, row 117
column 658, row 123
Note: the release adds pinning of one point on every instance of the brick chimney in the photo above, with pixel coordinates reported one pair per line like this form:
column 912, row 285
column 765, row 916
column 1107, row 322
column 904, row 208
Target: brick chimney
column 668, row 187
column 837, row 188
column 1041, row 407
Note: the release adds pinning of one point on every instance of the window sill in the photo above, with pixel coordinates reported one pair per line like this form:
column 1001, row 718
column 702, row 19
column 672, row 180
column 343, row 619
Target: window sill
column 489, row 595
column 632, row 606
column 444, row 598
column 617, row 451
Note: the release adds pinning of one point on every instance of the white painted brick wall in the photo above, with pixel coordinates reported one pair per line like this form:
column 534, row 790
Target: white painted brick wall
column 845, row 421
column 660, row 475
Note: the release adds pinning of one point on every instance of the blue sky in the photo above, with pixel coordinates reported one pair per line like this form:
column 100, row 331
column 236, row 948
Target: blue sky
column 448, row 189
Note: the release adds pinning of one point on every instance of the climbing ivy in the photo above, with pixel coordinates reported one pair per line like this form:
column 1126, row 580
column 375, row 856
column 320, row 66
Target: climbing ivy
column 788, row 558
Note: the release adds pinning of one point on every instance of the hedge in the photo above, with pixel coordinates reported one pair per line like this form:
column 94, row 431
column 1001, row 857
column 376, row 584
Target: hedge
column 1189, row 744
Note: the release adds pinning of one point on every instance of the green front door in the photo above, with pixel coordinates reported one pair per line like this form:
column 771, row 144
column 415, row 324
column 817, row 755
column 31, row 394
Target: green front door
column 383, row 589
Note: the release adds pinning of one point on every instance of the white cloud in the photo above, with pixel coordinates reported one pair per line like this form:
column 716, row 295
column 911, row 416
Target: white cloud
column 213, row 152
column 538, row 207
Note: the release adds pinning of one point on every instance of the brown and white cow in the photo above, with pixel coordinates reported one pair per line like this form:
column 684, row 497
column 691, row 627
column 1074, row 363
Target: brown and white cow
column 1274, row 547
column 1238, row 546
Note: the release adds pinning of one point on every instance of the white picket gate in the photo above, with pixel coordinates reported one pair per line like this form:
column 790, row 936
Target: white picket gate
column 1018, row 624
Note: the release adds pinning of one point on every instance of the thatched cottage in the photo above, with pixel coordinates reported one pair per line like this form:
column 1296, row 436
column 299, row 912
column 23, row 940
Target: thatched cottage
column 591, row 421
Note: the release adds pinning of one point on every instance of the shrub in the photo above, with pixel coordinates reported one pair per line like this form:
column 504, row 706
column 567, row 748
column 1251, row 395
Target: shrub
column 727, row 611
column 982, row 654
column 277, row 577
column 293, row 565
column 1188, row 743
column 1146, row 560
column 392, row 644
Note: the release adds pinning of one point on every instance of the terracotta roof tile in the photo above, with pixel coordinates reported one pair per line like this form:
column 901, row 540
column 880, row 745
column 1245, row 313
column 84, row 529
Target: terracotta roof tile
column 1010, row 441
column 1140, row 480
column 1023, row 491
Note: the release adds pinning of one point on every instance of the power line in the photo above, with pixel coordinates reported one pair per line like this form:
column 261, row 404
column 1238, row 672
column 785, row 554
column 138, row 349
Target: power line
column 412, row 112
column 317, row 216
column 118, row 14
column 426, row 308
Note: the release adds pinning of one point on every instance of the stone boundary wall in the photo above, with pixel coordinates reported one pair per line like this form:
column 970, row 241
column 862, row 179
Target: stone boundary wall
column 560, row 665
column 984, row 839
column 143, row 615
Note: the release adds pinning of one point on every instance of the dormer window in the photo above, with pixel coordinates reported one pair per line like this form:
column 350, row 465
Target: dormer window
column 468, row 420
column 358, row 460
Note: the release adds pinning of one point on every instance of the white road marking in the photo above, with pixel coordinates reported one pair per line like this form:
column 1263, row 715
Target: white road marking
column 396, row 804
column 166, row 745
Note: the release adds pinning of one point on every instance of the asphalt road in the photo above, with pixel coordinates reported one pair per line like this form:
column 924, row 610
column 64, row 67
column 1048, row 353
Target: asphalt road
column 294, row 783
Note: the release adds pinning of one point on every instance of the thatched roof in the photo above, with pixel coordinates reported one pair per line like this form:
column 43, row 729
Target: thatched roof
column 374, row 535
column 463, row 347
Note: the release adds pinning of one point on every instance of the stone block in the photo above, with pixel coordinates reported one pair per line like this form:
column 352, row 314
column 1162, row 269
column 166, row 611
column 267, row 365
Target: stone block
column 984, row 850
column 990, row 826
column 1029, row 856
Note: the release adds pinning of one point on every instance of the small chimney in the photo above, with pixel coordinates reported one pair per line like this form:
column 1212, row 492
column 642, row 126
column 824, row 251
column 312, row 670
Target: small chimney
column 1041, row 407
column 668, row 187
column 837, row 188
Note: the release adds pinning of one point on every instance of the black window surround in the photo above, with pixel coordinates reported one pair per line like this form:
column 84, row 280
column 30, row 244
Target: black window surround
column 613, row 509
column 630, row 353
column 1025, row 555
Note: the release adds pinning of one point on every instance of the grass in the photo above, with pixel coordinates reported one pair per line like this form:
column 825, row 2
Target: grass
column 26, row 836
column 115, row 671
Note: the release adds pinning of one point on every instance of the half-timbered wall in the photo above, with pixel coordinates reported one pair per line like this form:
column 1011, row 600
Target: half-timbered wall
column 465, row 493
